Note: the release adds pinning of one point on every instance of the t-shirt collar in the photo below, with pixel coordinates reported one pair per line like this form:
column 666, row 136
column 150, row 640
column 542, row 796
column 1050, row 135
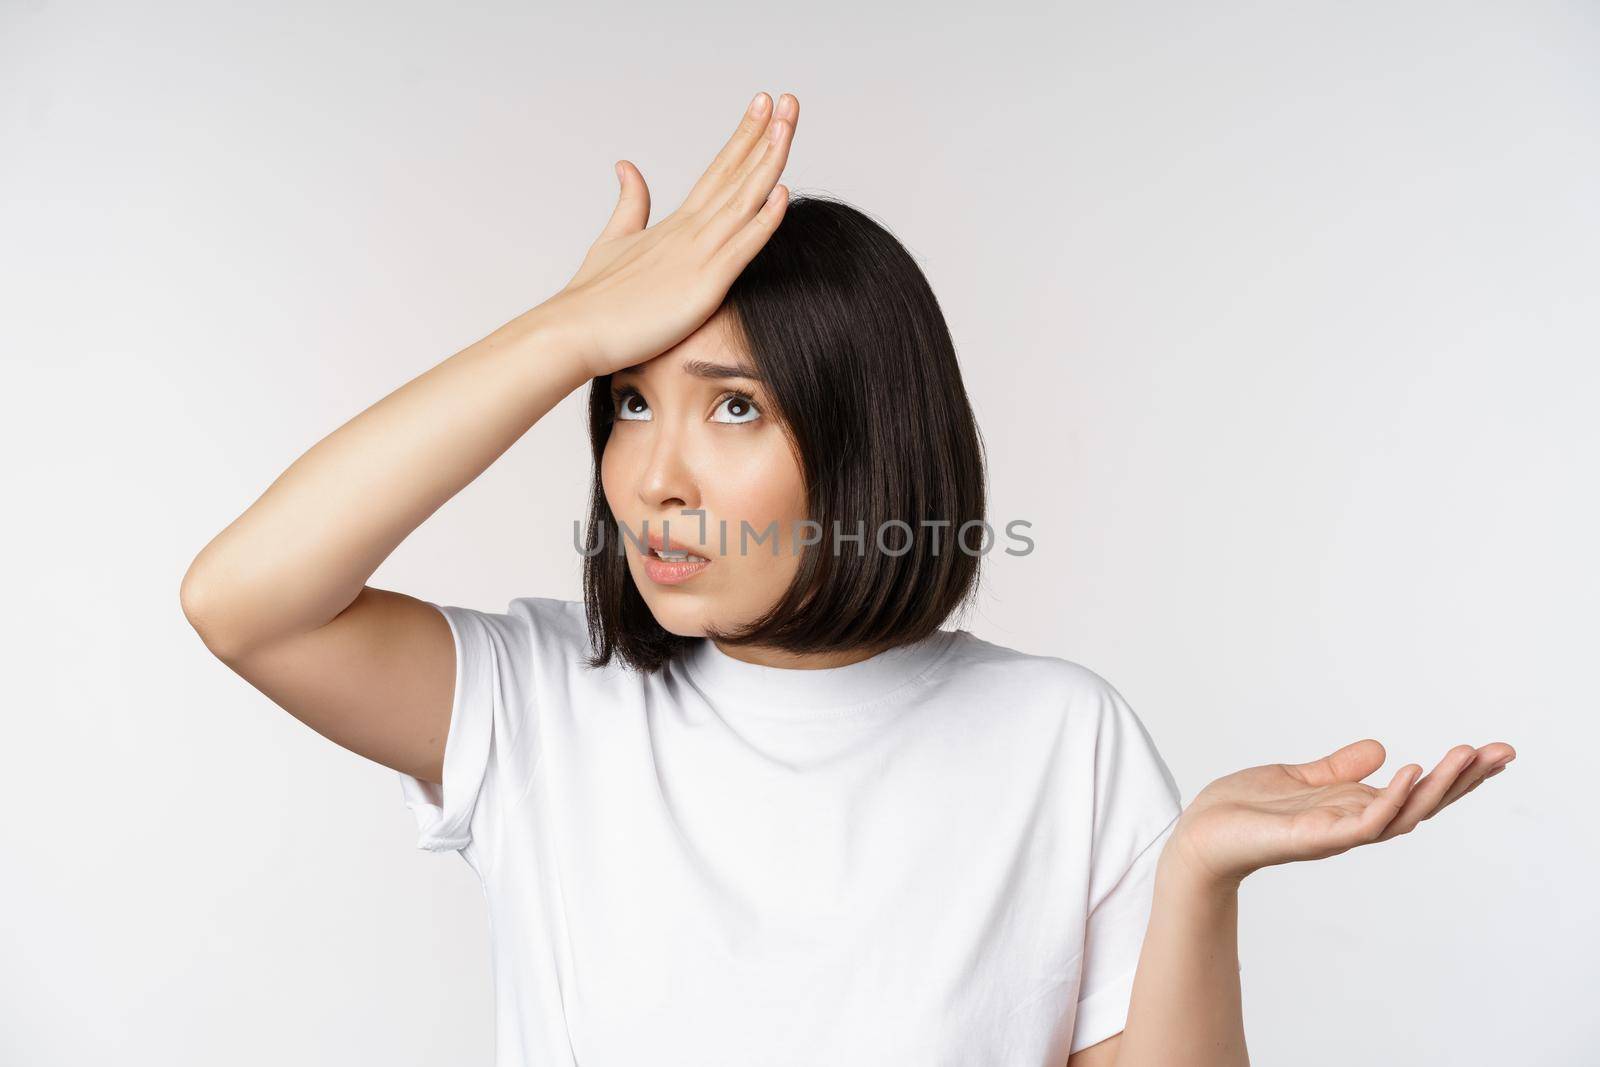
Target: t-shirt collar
column 796, row 692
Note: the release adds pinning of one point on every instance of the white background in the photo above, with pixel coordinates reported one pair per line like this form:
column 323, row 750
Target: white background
column 1280, row 324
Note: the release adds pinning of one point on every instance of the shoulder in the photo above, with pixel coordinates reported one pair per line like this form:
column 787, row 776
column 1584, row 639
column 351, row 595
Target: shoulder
column 558, row 639
column 552, row 620
column 529, row 623
column 532, row 641
column 1033, row 678
column 1079, row 707
column 1115, row 771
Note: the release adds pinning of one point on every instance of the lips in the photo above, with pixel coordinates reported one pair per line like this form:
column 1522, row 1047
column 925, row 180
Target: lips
column 668, row 562
column 672, row 551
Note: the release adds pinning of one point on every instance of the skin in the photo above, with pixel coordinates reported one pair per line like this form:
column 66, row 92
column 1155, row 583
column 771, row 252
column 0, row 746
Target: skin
column 281, row 595
column 1185, row 1007
column 688, row 441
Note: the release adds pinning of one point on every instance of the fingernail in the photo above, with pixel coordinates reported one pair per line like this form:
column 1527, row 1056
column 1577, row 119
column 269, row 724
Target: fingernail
column 776, row 131
column 756, row 103
column 1500, row 765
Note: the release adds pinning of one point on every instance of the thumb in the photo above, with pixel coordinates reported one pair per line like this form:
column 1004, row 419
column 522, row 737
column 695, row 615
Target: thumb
column 632, row 212
column 1351, row 763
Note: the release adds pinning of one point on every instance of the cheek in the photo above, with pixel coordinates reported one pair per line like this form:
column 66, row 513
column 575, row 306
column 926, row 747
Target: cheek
column 763, row 487
column 613, row 464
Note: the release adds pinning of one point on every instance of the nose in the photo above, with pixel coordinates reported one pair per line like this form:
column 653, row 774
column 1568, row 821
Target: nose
column 667, row 481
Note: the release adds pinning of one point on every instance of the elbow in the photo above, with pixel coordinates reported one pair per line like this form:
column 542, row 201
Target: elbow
column 205, row 612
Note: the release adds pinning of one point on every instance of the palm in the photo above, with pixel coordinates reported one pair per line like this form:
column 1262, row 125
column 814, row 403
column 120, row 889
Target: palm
column 1284, row 812
column 643, row 288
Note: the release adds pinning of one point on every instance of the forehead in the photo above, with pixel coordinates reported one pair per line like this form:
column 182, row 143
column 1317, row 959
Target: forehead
column 711, row 352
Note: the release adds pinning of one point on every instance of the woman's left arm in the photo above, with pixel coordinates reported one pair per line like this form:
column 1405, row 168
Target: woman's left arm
column 1185, row 1007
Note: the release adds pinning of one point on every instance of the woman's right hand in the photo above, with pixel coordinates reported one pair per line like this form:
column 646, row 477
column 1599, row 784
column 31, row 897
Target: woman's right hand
column 281, row 594
column 642, row 290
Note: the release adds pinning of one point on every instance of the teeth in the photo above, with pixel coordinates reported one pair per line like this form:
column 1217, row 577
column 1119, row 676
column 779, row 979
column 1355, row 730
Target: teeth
column 679, row 557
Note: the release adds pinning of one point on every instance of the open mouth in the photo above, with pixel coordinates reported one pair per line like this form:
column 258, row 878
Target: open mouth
column 677, row 557
column 673, row 566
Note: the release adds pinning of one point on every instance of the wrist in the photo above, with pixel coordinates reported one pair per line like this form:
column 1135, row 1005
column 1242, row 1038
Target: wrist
column 1190, row 874
column 547, row 336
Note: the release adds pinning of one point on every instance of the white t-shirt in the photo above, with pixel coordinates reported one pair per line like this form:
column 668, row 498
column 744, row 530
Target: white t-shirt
column 943, row 855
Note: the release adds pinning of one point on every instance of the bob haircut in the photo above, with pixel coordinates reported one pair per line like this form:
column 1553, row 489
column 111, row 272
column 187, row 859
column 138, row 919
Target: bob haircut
column 852, row 347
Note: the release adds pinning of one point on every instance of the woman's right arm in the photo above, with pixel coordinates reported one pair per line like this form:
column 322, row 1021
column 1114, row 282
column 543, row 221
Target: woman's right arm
column 280, row 595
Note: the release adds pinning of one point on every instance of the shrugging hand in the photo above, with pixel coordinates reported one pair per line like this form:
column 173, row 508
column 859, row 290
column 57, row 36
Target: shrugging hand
column 642, row 290
column 1283, row 812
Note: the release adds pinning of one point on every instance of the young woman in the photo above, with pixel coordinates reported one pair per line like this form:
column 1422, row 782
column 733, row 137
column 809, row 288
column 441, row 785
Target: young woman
column 750, row 802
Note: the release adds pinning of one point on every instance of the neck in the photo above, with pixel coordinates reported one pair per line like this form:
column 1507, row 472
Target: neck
column 762, row 656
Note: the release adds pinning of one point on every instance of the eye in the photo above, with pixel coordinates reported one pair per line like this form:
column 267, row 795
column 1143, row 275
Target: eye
column 630, row 405
column 741, row 407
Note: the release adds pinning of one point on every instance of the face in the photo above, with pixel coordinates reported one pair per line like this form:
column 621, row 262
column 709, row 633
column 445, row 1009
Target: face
column 694, row 430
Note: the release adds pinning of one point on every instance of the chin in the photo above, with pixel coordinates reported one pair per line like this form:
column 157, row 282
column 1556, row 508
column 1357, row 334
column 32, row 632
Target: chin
column 681, row 614
column 690, row 615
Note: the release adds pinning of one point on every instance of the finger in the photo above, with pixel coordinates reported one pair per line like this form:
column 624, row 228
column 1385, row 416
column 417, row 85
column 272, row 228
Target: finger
column 789, row 111
column 1457, row 792
column 1470, row 775
column 632, row 212
column 1351, row 763
column 741, row 192
column 737, row 252
column 1428, row 796
column 752, row 193
column 1473, row 786
column 1383, row 807
column 747, row 136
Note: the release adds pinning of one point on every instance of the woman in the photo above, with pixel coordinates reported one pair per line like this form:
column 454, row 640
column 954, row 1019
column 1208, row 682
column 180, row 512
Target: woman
column 749, row 803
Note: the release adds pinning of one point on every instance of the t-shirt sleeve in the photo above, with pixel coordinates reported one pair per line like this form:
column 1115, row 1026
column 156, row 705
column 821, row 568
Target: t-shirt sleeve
column 490, row 747
column 1137, row 804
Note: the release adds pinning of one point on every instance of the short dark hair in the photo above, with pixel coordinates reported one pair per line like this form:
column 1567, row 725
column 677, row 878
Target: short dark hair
column 851, row 345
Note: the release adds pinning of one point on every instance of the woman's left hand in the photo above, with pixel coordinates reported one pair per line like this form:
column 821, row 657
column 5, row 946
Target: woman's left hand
column 1283, row 812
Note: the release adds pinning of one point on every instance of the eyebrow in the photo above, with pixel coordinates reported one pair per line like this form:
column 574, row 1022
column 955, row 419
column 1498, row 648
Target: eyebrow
column 701, row 368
